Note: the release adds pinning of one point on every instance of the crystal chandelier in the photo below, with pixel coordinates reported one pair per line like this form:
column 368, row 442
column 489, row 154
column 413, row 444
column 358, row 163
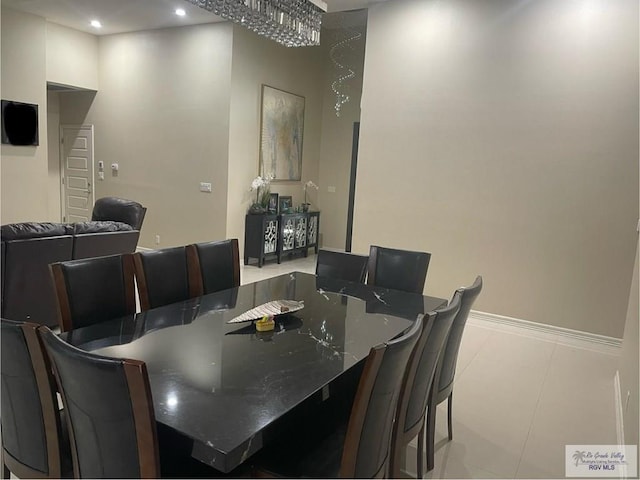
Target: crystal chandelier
column 293, row 23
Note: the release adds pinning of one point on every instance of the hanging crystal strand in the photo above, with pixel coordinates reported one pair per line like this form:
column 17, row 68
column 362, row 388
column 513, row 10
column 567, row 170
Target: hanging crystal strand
column 338, row 57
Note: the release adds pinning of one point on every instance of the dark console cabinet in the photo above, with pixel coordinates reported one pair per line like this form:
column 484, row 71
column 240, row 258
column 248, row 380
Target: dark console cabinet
column 287, row 233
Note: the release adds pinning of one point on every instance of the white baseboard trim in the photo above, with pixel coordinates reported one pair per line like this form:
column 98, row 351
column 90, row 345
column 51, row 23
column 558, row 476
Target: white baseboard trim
column 619, row 410
column 143, row 249
column 552, row 333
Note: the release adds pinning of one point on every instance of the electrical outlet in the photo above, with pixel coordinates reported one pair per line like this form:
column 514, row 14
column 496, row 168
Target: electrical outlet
column 157, row 239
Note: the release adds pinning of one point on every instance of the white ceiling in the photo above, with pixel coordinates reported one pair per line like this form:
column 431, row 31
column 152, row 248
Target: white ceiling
column 118, row 16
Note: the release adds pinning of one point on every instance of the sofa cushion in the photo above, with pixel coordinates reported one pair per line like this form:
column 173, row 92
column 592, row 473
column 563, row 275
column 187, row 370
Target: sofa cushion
column 81, row 228
column 25, row 230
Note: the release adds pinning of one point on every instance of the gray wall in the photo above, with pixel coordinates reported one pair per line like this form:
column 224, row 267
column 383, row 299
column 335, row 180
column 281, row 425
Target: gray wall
column 503, row 138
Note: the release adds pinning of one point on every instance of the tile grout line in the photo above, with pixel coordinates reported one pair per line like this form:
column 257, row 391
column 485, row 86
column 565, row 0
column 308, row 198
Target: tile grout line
column 535, row 411
column 458, row 375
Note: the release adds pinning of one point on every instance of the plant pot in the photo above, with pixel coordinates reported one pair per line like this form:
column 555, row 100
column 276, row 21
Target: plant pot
column 257, row 209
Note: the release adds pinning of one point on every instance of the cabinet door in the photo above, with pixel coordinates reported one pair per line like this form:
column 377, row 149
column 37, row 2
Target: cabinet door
column 288, row 232
column 312, row 229
column 301, row 231
column 270, row 235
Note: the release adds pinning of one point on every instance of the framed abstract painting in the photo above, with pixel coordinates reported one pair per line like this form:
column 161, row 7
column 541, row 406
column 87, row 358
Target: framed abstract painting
column 281, row 132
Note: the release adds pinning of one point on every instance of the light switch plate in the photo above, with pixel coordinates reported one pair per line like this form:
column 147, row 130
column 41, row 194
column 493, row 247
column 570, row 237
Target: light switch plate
column 205, row 187
column 331, row 189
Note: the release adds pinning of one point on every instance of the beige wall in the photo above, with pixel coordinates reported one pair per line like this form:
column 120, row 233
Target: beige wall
column 72, row 57
column 503, row 138
column 337, row 135
column 162, row 114
column 257, row 61
column 24, row 169
column 35, row 52
column 53, row 156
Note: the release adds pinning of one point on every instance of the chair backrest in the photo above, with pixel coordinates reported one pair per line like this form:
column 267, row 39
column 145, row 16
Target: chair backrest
column 398, row 269
column 216, row 265
column 420, row 373
column 342, row 266
column 450, row 356
column 119, row 210
column 109, row 412
column 31, row 429
column 92, row 290
column 368, row 437
column 163, row 278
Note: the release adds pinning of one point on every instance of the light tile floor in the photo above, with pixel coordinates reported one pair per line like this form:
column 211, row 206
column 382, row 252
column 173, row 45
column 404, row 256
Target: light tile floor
column 518, row 399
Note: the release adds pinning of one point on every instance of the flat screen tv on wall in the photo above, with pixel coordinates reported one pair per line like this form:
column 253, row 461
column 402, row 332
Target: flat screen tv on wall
column 19, row 123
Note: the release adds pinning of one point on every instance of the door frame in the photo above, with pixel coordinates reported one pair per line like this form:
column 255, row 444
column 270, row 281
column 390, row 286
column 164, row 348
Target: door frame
column 352, row 185
column 92, row 197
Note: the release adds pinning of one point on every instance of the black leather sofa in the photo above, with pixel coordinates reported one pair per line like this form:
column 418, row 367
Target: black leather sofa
column 28, row 249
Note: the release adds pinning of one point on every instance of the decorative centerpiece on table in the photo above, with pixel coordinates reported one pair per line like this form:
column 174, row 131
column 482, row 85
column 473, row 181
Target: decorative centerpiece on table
column 262, row 187
column 307, row 186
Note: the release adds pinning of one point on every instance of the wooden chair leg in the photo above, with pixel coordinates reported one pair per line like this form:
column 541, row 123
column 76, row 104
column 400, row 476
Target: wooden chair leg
column 420, row 452
column 431, row 433
column 449, row 422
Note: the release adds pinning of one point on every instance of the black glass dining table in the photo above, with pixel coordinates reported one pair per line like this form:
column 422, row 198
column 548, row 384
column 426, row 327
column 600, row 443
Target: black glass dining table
column 222, row 386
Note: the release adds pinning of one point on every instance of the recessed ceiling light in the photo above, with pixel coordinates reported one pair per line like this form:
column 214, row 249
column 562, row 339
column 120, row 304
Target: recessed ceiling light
column 96, row 24
column 180, row 12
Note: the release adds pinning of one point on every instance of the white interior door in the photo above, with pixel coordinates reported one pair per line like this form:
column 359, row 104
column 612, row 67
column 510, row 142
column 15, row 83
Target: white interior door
column 76, row 147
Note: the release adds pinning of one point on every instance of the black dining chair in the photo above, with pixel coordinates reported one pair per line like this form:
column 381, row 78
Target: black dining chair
column 35, row 443
column 109, row 412
column 163, row 277
column 215, row 265
column 92, row 290
column 341, row 266
column 397, row 269
column 443, row 382
column 416, row 385
column 359, row 448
